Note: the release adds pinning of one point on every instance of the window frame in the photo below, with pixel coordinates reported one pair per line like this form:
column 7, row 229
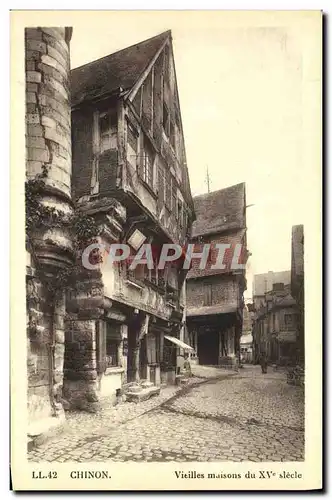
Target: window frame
column 290, row 323
column 149, row 157
column 166, row 122
column 133, row 130
column 112, row 338
column 180, row 212
column 168, row 190
column 110, row 132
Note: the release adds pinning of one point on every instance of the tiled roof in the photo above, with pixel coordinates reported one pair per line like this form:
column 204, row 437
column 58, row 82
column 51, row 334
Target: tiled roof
column 219, row 211
column 120, row 69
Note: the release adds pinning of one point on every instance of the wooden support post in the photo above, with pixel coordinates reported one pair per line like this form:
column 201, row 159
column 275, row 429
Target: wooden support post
column 143, row 330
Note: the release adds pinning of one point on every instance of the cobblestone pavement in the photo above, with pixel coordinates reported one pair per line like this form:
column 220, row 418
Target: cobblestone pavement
column 246, row 416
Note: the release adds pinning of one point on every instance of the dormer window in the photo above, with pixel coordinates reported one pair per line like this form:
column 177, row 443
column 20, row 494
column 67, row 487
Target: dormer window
column 108, row 131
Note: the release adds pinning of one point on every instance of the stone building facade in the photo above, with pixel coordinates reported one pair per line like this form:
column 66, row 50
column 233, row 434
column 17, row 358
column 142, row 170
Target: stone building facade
column 276, row 326
column 115, row 124
column 49, row 248
column 215, row 296
column 130, row 176
column 264, row 282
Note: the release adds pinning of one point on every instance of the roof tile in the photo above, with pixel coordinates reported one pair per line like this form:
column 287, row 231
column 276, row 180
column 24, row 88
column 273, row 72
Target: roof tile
column 219, row 211
column 120, row 69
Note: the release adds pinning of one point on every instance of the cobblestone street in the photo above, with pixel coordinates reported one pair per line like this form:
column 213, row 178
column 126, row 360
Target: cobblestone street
column 244, row 416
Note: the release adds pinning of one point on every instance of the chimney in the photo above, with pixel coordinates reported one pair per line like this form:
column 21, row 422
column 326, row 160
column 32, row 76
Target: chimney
column 278, row 287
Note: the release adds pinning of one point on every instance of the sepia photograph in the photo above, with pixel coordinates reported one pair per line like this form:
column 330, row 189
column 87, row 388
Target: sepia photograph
column 169, row 157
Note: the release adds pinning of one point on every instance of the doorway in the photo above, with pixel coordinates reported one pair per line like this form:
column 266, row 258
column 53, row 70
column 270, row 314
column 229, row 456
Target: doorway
column 208, row 348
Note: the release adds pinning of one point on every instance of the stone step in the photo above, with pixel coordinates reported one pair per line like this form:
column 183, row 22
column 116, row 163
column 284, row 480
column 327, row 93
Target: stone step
column 143, row 394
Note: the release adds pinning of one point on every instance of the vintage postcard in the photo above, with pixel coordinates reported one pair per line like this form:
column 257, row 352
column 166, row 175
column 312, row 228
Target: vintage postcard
column 166, row 194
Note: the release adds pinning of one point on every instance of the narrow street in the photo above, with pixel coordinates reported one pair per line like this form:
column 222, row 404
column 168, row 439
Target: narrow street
column 219, row 416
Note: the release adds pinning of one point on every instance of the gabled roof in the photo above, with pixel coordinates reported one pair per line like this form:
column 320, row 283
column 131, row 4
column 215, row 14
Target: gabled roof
column 120, row 69
column 219, row 211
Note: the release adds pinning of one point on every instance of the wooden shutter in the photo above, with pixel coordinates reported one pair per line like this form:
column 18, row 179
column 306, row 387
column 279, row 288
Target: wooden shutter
column 207, row 295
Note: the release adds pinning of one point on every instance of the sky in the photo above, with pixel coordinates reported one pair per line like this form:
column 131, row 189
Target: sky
column 245, row 81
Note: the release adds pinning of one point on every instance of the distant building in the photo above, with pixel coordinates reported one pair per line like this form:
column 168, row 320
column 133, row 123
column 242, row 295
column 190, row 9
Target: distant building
column 246, row 348
column 248, row 317
column 215, row 296
column 276, row 326
column 264, row 283
column 297, row 285
column 246, row 337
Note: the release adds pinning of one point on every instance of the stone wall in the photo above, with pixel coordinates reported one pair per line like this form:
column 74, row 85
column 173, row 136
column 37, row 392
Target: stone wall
column 47, row 105
column 81, row 378
column 48, row 150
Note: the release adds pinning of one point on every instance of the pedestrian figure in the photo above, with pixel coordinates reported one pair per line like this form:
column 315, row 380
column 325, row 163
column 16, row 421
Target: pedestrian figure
column 263, row 362
column 186, row 365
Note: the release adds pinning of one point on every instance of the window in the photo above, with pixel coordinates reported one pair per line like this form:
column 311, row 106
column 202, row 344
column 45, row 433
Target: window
column 173, row 189
column 207, row 294
column 108, row 131
column 113, row 340
column 288, row 320
column 168, row 191
column 166, row 123
column 137, row 274
column 148, row 163
column 132, row 145
column 180, row 212
column 161, row 182
column 185, row 218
